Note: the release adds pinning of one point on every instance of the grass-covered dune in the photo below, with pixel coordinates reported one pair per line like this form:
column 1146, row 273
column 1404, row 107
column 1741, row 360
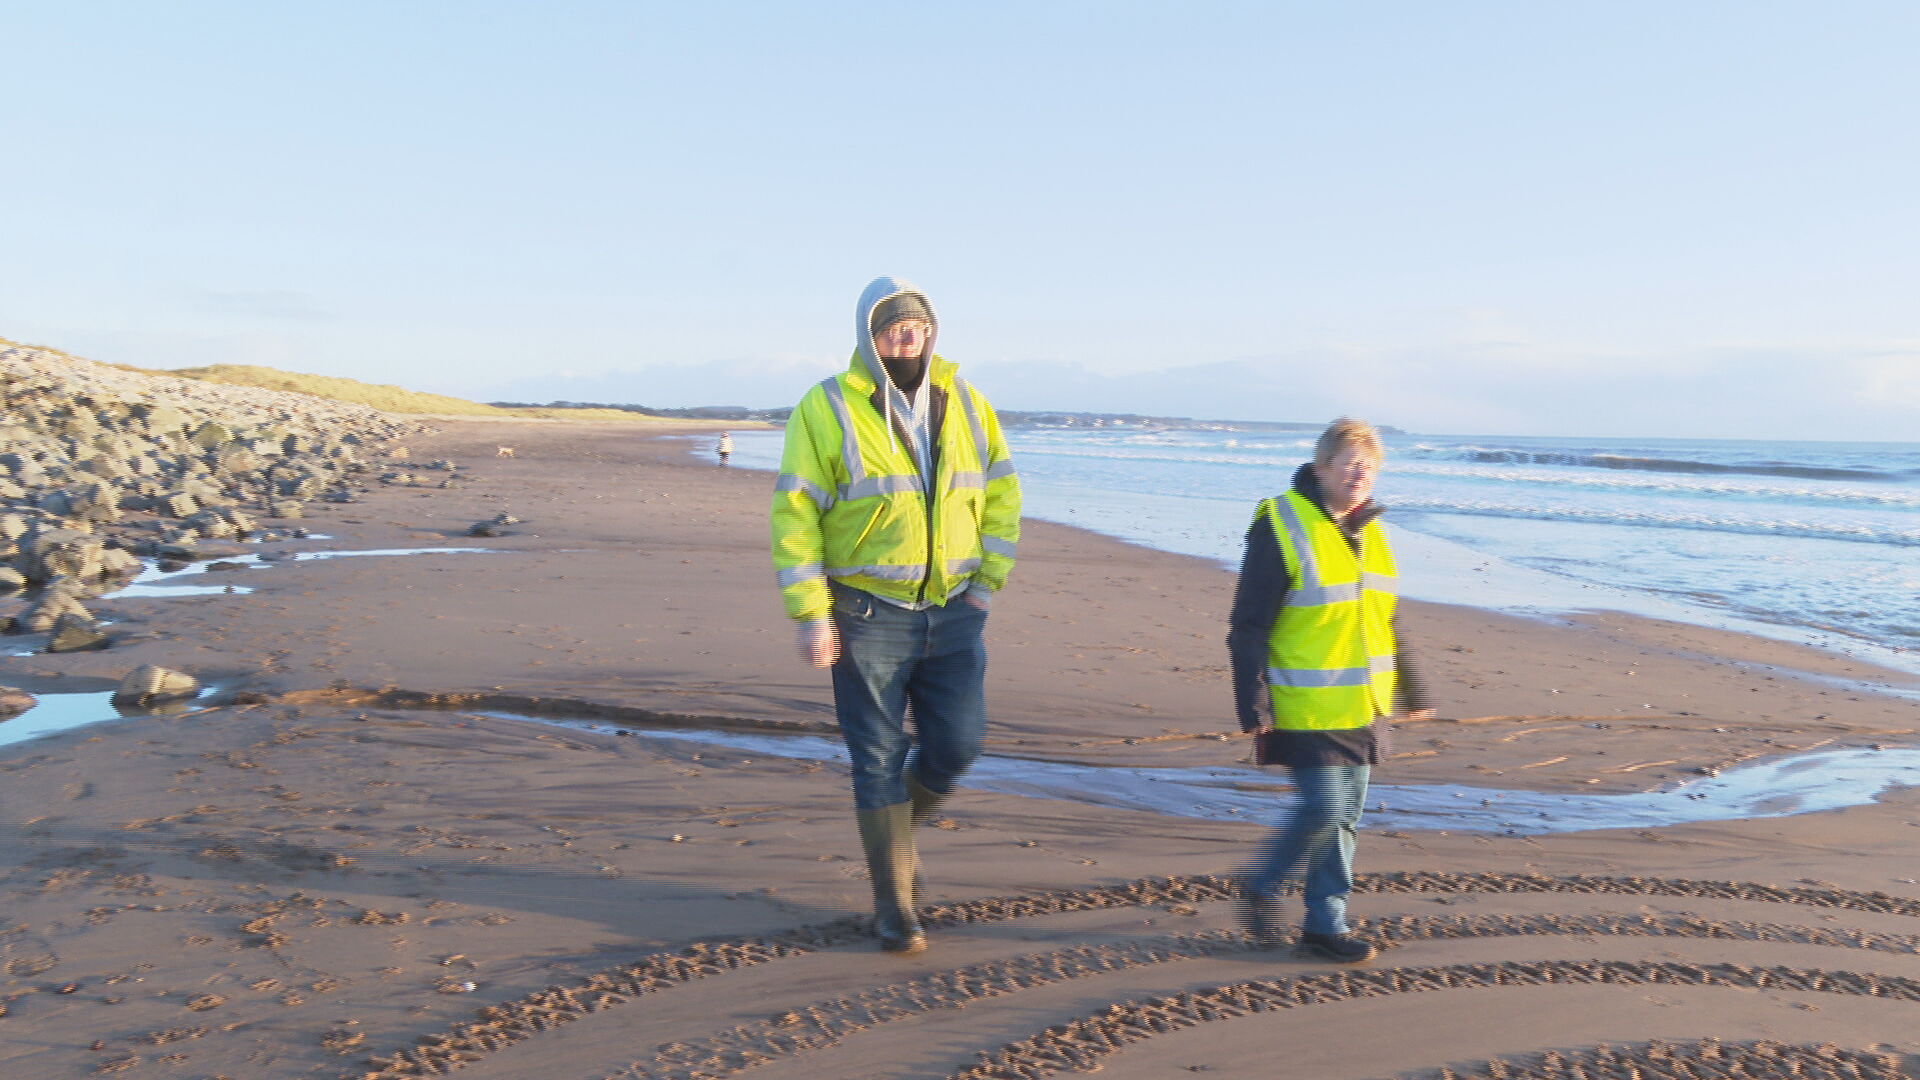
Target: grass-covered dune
column 390, row 399
column 394, row 399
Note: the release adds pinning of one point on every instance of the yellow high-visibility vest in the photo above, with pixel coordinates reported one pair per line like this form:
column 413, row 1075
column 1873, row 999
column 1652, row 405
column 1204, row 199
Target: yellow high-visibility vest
column 851, row 506
column 1330, row 656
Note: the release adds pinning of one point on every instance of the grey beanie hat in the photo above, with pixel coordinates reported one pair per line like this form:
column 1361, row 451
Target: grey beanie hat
column 897, row 307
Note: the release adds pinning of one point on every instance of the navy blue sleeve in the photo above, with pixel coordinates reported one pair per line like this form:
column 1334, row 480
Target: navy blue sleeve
column 1413, row 688
column 1257, row 598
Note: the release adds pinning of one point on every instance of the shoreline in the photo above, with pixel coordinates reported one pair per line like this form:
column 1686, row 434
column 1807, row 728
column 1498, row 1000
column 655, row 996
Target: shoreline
column 1142, row 698
column 327, row 882
column 1449, row 573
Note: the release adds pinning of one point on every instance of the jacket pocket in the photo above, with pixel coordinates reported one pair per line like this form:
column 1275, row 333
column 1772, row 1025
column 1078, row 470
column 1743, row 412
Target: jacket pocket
column 873, row 522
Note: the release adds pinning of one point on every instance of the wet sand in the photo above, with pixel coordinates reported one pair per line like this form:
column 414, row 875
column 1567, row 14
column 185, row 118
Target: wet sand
column 330, row 881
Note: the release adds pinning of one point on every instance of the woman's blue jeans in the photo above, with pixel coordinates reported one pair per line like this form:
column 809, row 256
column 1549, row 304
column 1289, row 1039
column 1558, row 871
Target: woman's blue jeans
column 933, row 662
column 1315, row 843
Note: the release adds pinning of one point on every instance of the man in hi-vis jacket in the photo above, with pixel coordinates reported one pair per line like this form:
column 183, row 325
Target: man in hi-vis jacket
column 894, row 522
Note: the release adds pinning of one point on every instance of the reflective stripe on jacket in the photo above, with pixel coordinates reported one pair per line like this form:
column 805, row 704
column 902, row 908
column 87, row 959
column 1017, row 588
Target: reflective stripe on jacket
column 1330, row 656
column 850, row 503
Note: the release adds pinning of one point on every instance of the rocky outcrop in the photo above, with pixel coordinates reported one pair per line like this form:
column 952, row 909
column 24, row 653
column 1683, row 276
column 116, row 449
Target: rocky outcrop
column 100, row 466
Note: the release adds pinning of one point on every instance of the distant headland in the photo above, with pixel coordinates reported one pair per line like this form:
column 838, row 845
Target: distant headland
column 1009, row 417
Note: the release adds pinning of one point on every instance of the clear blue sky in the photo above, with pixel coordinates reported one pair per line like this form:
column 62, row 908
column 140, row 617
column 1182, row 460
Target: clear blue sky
column 1622, row 218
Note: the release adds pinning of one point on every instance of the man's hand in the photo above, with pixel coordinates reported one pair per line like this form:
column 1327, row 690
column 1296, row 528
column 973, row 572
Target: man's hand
column 819, row 643
column 977, row 598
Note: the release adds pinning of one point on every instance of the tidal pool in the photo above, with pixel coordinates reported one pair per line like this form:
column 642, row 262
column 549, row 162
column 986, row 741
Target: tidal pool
column 1803, row 784
column 64, row 712
column 155, row 582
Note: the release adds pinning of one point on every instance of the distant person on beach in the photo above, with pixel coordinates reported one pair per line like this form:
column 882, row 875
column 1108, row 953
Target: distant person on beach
column 1317, row 668
column 894, row 522
column 725, row 446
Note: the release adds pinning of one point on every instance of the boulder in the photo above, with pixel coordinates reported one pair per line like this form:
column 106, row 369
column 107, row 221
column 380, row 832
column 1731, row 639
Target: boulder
column 116, row 562
column 162, row 419
column 148, row 684
column 76, row 633
column 179, row 504
column 46, row 554
column 210, row 435
column 494, row 526
column 14, row 701
column 54, row 602
column 201, row 550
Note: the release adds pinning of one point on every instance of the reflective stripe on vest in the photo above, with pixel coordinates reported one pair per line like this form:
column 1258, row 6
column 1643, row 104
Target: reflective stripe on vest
column 1346, row 676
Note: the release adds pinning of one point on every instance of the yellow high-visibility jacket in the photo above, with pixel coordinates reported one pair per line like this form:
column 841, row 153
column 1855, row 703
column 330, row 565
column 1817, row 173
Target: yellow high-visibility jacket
column 1330, row 657
column 850, row 503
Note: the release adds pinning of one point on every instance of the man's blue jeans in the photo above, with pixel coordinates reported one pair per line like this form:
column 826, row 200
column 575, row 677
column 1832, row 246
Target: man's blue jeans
column 890, row 658
column 1315, row 842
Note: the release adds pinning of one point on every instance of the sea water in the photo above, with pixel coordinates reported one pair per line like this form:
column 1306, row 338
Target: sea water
column 1802, row 784
column 1802, row 541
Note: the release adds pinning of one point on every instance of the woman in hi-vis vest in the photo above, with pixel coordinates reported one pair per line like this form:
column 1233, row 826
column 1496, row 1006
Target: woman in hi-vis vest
column 1317, row 668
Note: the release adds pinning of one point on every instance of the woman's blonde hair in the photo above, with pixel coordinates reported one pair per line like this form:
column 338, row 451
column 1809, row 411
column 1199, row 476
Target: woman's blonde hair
column 1348, row 432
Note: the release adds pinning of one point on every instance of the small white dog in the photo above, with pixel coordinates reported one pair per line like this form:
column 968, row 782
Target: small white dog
column 504, row 451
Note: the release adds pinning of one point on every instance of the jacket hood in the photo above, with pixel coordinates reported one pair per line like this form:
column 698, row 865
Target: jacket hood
column 867, row 357
column 877, row 292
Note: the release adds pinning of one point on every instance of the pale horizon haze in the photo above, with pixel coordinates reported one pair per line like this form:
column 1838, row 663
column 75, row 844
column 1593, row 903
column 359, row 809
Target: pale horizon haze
column 1628, row 219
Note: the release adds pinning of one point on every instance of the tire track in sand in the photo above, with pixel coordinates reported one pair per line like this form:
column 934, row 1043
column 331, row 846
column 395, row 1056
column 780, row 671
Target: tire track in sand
column 505, row 1024
column 1081, row 1044
column 823, row 1024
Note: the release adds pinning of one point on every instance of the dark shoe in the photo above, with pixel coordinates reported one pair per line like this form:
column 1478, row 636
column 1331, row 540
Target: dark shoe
column 899, row 933
column 1339, row 948
column 1260, row 918
column 886, row 835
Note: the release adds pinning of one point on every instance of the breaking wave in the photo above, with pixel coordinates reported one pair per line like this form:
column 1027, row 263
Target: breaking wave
column 1864, row 532
column 1628, row 462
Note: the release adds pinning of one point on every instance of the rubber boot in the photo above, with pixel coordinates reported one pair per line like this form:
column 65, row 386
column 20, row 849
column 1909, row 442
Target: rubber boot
column 926, row 802
column 886, row 835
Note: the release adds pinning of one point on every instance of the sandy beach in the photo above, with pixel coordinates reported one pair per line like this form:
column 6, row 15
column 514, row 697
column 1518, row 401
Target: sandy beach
column 349, row 861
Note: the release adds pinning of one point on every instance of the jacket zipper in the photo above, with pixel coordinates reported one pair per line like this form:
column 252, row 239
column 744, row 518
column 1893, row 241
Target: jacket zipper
column 929, row 483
